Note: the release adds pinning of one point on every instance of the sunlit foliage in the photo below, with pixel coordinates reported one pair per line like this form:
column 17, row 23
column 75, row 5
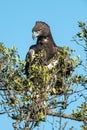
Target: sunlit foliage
column 29, row 100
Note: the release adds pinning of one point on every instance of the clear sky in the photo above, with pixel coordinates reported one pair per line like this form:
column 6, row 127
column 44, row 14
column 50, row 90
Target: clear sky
column 17, row 17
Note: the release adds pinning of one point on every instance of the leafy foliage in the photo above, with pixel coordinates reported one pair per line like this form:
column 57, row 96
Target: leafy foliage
column 29, row 100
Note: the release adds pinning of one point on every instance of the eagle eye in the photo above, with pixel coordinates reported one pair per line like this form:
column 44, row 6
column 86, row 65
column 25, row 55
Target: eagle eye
column 40, row 30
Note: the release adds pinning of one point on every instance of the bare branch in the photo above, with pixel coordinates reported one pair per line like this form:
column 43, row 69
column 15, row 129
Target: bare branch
column 51, row 113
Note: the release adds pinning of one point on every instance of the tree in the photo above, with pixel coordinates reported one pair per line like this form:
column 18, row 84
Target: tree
column 29, row 102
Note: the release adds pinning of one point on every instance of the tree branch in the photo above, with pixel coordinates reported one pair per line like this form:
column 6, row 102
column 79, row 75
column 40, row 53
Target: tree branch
column 51, row 113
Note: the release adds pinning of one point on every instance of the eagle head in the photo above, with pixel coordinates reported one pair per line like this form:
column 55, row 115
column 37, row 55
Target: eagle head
column 40, row 29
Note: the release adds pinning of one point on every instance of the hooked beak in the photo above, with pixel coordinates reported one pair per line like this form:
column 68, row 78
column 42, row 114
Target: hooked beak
column 35, row 34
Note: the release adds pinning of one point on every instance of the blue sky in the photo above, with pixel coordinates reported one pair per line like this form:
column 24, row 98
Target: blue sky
column 17, row 17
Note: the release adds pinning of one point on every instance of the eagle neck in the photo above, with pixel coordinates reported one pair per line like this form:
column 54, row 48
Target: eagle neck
column 52, row 40
column 49, row 38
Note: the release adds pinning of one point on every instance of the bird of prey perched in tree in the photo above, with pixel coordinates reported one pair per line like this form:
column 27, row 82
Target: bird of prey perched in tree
column 45, row 42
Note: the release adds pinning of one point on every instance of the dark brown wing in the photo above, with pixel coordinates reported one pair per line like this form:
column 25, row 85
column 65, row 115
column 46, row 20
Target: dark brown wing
column 61, row 60
column 29, row 60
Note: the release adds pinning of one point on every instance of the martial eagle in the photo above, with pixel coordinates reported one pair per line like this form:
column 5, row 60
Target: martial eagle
column 45, row 42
